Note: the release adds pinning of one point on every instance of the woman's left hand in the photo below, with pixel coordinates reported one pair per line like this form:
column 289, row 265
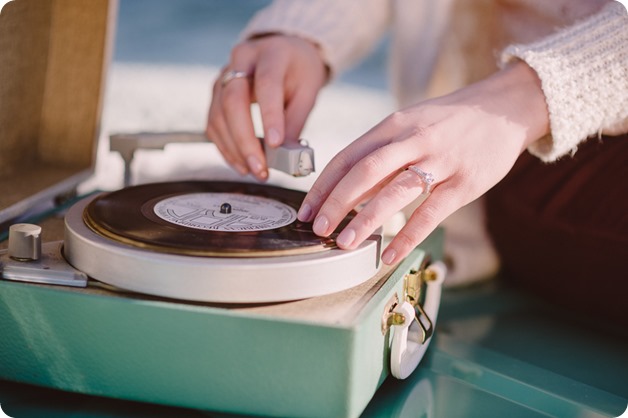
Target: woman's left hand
column 467, row 140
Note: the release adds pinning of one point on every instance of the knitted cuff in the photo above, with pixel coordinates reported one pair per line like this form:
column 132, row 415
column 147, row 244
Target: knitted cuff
column 584, row 76
column 343, row 30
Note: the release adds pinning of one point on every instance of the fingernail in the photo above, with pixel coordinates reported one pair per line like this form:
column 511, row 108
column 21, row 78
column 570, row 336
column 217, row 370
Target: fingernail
column 241, row 169
column 305, row 213
column 272, row 137
column 255, row 164
column 346, row 238
column 389, row 255
column 320, row 225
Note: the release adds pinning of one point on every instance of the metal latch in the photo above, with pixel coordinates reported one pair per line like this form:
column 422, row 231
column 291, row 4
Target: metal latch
column 413, row 284
column 391, row 317
column 412, row 320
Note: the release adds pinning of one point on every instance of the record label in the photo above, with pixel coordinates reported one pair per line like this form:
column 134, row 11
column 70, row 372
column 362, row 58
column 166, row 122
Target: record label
column 225, row 212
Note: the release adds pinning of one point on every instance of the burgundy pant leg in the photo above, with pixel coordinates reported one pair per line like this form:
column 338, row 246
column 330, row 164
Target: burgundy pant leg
column 561, row 229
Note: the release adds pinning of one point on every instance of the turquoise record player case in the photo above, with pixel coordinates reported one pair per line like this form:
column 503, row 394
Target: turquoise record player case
column 324, row 356
column 496, row 352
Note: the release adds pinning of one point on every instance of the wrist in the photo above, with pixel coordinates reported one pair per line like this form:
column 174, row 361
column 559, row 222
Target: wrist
column 535, row 106
column 521, row 89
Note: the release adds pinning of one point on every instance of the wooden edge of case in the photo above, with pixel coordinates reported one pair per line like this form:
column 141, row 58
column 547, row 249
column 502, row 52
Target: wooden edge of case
column 53, row 63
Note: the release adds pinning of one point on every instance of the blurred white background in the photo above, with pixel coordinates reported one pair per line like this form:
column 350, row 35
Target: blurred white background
column 167, row 54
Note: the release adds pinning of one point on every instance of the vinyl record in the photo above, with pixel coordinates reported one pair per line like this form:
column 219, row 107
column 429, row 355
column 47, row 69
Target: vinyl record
column 205, row 218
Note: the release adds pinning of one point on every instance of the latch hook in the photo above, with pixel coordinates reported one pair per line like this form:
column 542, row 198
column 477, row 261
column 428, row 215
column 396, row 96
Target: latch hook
column 412, row 337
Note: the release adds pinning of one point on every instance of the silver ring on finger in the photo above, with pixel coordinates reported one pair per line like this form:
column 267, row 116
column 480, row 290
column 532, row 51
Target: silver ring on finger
column 426, row 177
column 232, row 75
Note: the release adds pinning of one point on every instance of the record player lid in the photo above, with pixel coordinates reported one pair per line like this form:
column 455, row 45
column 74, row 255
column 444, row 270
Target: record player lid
column 54, row 67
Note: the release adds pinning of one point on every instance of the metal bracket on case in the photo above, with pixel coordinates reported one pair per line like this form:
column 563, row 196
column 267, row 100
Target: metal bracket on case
column 294, row 159
column 413, row 285
column 50, row 268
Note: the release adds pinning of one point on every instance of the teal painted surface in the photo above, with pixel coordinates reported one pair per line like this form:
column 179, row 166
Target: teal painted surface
column 196, row 356
column 474, row 368
column 370, row 363
column 496, row 352
column 156, row 352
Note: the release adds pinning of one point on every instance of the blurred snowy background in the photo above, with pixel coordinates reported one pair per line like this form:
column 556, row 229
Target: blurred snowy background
column 167, row 54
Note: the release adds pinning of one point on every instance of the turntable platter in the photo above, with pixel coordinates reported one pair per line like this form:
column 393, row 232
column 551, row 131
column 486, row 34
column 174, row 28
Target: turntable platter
column 224, row 219
column 178, row 240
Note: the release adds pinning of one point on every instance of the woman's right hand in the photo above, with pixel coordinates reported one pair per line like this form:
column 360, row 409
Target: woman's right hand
column 285, row 76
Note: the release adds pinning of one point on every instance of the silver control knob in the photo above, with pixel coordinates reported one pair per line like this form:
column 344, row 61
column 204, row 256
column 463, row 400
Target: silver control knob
column 25, row 242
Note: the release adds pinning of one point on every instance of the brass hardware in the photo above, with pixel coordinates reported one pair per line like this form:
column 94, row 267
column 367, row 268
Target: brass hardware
column 414, row 282
column 390, row 318
column 396, row 319
column 419, row 313
column 430, row 275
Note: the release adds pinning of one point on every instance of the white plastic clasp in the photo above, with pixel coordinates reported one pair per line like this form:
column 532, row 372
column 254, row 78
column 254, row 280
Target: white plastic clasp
column 411, row 338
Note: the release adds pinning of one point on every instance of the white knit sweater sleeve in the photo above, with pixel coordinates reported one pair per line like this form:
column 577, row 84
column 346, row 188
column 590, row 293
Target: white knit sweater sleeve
column 344, row 30
column 584, row 76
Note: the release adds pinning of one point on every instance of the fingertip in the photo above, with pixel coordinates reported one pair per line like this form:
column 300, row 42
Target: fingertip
column 240, row 169
column 305, row 213
column 389, row 256
column 256, row 166
column 346, row 238
column 273, row 138
column 321, row 225
column 262, row 175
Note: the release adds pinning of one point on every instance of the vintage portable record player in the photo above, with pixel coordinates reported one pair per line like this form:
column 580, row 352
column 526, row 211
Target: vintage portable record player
column 200, row 294
column 193, row 346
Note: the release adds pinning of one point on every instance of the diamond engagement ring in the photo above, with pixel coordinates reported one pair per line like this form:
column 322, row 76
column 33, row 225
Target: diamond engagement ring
column 232, row 75
column 426, row 178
